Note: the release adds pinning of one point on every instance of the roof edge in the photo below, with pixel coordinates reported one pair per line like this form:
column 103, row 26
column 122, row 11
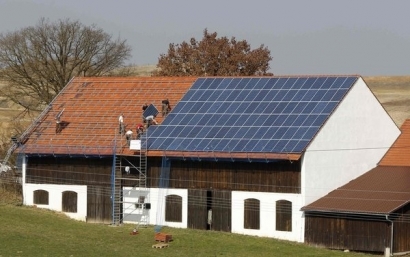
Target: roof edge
column 226, row 155
column 345, row 212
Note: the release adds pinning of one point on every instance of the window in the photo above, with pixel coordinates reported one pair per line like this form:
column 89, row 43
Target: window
column 69, row 201
column 252, row 214
column 40, row 197
column 283, row 215
column 173, row 208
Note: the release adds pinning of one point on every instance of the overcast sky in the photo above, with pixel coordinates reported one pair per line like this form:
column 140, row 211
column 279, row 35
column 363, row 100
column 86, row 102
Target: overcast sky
column 365, row 37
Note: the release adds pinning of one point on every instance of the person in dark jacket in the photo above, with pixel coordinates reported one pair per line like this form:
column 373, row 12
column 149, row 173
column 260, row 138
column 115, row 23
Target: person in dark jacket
column 166, row 108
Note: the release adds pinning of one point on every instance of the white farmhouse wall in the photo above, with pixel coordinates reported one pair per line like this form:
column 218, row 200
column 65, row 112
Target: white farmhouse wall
column 351, row 142
column 55, row 197
column 267, row 215
column 156, row 215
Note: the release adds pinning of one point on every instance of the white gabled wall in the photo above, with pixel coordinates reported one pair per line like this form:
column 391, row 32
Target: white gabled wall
column 267, row 215
column 351, row 142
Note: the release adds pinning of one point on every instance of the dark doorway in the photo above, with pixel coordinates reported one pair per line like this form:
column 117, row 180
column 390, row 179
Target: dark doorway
column 209, row 209
column 201, row 201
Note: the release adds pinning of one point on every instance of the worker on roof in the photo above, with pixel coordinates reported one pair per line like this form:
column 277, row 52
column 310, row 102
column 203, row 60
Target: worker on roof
column 150, row 120
column 140, row 127
column 121, row 124
column 140, row 130
column 166, row 108
column 144, row 107
column 128, row 136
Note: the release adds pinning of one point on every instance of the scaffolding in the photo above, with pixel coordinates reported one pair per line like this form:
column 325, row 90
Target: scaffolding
column 122, row 176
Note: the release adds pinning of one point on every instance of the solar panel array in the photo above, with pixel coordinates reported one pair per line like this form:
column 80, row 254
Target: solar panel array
column 271, row 115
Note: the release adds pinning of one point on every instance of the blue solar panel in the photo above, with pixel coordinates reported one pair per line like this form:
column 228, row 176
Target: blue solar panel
column 348, row 82
column 224, row 84
column 338, row 95
column 290, row 107
column 299, row 84
column 259, row 145
column 329, row 83
column 151, row 110
column 215, row 83
column 317, row 84
column 275, row 115
column 289, row 96
column 260, row 83
column 204, row 84
column 289, row 83
column 274, row 83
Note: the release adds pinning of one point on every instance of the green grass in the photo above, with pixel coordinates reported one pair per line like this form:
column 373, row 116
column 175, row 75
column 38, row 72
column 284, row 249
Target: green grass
column 28, row 231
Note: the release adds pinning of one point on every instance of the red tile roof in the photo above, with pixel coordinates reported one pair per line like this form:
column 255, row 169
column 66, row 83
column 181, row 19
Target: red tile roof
column 382, row 190
column 399, row 152
column 91, row 110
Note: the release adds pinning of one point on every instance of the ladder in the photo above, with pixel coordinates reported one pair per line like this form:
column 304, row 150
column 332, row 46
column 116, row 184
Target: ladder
column 143, row 161
column 116, row 188
column 8, row 154
column 142, row 182
column 17, row 141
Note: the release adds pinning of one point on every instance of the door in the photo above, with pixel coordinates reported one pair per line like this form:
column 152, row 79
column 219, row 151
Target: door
column 209, row 209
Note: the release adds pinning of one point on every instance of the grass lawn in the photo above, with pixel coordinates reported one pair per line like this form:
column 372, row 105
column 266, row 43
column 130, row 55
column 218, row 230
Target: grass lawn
column 29, row 231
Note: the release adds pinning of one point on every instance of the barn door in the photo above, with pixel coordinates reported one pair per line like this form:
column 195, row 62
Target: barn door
column 197, row 209
column 221, row 210
column 209, row 209
column 98, row 205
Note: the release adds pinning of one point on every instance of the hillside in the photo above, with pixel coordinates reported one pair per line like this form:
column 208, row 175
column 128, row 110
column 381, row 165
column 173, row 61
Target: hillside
column 394, row 94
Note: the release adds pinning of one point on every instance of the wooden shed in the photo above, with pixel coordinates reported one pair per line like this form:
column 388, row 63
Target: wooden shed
column 370, row 213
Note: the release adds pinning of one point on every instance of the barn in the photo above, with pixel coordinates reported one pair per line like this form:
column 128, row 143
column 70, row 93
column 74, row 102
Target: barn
column 370, row 213
column 235, row 154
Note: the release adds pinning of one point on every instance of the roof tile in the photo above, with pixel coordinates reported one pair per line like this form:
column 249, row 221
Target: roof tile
column 399, row 152
column 91, row 109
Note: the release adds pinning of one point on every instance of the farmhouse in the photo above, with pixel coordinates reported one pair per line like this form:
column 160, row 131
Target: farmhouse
column 370, row 213
column 236, row 154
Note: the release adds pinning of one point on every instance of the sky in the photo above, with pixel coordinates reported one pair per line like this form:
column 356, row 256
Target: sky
column 315, row 37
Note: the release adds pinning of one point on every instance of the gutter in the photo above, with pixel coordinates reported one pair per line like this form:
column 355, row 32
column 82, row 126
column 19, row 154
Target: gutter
column 391, row 234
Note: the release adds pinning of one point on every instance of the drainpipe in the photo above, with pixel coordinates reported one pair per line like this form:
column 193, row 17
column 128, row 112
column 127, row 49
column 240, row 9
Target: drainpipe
column 391, row 235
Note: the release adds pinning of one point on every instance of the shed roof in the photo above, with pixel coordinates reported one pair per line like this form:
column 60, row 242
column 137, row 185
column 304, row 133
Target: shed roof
column 399, row 152
column 382, row 190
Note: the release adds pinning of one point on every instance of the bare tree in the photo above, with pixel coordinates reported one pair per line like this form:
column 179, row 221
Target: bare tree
column 213, row 56
column 38, row 61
